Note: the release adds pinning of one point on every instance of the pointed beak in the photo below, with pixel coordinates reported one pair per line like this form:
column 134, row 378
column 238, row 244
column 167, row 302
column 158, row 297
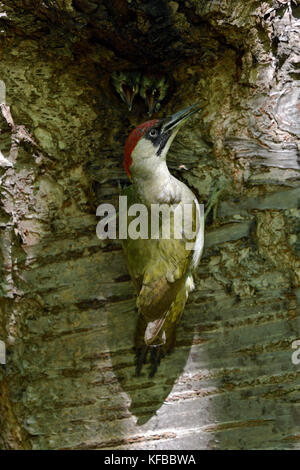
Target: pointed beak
column 151, row 98
column 128, row 94
column 151, row 103
column 177, row 119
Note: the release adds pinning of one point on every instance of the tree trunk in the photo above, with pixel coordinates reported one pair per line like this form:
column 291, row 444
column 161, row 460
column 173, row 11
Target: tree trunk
column 67, row 303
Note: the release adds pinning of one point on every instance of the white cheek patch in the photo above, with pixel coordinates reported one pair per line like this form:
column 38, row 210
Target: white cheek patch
column 143, row 149
column 144, row 158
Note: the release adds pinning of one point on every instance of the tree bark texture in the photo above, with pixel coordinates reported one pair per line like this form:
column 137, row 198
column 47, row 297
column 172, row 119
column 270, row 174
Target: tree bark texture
column 67, row 303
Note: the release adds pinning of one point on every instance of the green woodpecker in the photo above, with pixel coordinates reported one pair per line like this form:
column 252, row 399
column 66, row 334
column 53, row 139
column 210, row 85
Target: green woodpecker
column 126, row 84
column 153, row 90
column 161, row 268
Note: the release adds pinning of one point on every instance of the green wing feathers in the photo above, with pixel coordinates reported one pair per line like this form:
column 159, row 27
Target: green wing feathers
column 159, row 269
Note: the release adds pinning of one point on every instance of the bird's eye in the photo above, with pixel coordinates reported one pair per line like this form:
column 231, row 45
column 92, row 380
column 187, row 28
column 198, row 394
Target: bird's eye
column 153, row 133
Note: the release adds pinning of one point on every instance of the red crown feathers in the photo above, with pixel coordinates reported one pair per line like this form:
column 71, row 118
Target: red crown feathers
column 132, row 140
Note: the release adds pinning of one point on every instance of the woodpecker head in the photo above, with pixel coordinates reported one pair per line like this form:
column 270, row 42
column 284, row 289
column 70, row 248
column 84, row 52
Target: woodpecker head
column 126, row 84
column 147, row 145
column 153, row 90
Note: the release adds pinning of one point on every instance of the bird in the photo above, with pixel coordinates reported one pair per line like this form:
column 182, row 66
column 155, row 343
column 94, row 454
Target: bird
column 153, row 90
column 161, row 268
column 126, row 84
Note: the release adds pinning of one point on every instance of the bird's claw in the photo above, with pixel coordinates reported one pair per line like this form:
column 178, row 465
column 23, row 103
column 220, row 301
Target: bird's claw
column 214, row 200
column 140, row 358
column 156, row 354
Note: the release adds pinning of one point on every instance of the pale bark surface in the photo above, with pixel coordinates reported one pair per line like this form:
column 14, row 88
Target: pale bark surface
column 67, row 304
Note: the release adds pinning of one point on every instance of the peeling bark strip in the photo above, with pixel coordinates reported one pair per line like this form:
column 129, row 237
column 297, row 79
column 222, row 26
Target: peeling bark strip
column 280, row 155
column 67, row 306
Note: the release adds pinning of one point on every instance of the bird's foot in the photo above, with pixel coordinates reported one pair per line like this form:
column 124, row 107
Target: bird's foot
column 214, row 201
column 140, row 358
column 156, row 354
